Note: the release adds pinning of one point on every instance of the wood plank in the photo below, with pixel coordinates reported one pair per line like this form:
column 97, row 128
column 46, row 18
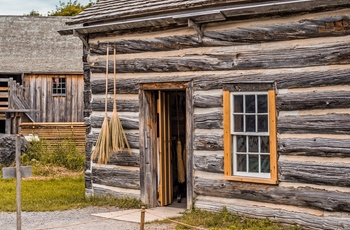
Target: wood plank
column 286, row 214
column 208, row 142
column 121, row 177
column 323, row 147
column 189, row 146
column 71, row 98
column 299, row 27
column 273, row 136
column 301, row 53
column 98, row 104
column 285, row 78
column 302, row 196
column 329, row 124
column 80, row 96
column 227, row 134
column 127, row 121
column 44, row 98
column 334, row 174
column 313, row 100
column 210, row 120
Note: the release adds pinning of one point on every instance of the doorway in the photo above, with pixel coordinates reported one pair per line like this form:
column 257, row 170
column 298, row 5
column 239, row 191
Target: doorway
column 166, row 144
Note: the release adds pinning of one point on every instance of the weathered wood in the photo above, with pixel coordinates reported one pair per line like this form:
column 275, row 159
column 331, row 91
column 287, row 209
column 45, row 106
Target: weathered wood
column 212, row 163
column 305, row 197
column 283, row 55
column 208, row 142
column 122, row 105
column 313, row 100
column 330, row 124
column 128, row 122
column 278, row 214
column 189, row 146
column 323, row 147
column 207, row 101
column 285, row 79
column 335, row 174
column 116, row 176
column 124, row 158
column 133, row 139
column 102, row 191
column 312, row 26
column 211, row 120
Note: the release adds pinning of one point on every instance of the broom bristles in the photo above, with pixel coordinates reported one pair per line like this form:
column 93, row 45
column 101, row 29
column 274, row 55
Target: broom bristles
column 102, row 147
column 180, row 164
column 119, row 142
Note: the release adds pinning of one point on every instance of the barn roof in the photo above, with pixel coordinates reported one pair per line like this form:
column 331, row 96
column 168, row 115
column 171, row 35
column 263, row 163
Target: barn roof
column 32, row 44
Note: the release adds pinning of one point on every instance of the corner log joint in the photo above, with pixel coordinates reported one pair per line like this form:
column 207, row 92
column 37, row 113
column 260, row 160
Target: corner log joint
column 197, row 28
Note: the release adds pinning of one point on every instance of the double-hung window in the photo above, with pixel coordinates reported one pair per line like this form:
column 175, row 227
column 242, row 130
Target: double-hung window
column 250, row 133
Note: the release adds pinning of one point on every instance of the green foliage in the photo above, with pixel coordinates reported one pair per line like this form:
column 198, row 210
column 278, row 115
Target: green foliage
column 34, row 13
column 70, row 8
column 59, row 193
column 225, row 220
column 64, row 154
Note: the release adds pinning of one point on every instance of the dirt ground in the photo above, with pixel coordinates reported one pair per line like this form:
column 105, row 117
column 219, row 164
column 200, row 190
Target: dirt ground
column 78, row 219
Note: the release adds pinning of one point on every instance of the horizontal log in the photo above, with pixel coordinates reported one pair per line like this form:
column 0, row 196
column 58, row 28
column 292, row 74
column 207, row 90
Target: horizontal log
column 133, row 139
column 212, row 120
column 202, row 81
column 333, row 24
column 278, row 214
column 282, row 55
column 103, row 191
column 329, row 124
column 313, row 100
column 128, row 122
column 124, row 158
column 212, row 163
column 207, row 101
column 334, row 174
column 122, row 105
column 323, row 147
column 208, row 141
column 116, row 177
column 304, row 197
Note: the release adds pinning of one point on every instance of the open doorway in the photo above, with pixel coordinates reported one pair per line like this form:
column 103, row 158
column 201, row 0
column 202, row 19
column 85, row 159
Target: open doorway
column 171, row 154
column 166, row 144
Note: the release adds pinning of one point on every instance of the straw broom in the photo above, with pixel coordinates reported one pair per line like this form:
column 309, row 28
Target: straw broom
column 102, row 148
column 118, row 139
column 180, row 164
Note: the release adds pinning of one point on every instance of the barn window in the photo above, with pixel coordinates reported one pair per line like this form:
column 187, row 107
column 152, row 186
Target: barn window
column 250, row 133
column 59, row 86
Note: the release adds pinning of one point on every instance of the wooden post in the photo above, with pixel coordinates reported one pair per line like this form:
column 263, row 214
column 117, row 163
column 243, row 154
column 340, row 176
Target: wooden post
column 142, row 222
column 18, row 181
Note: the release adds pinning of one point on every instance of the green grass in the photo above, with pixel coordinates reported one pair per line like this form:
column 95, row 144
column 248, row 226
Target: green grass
column 225, row 220
column 55, row 193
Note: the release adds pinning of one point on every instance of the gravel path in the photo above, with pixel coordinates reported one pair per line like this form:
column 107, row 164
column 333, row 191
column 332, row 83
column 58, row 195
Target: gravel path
column 78, row 219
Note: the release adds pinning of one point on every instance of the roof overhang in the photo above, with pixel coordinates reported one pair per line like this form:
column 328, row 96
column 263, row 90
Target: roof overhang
column 208, row 15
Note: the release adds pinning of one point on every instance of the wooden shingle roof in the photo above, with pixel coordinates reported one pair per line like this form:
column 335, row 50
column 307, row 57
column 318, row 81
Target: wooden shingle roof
column 107, row 10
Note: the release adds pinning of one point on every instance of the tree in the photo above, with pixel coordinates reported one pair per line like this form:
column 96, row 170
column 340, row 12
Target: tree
column 70, row 8
column 34, row 13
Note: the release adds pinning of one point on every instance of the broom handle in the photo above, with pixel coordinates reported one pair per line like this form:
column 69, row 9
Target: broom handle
column 106, row 102
column 115, row 79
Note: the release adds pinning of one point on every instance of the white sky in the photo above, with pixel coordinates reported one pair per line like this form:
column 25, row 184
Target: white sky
column 21, row 7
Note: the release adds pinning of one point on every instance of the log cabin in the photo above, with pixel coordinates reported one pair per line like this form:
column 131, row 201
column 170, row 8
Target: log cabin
column 41, row 75
column 257, row 92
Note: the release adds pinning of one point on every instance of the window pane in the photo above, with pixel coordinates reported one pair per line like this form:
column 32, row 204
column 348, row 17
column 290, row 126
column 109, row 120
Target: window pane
column 262, row 103
column 238, row 103
column 250, row 103
column 263, row 123
column 253, row 144
column 241, row 144
column 250, row 123
column 264, row 145
column 241, row 163
column 253, row 163
column 265, row 163
column 238, row 123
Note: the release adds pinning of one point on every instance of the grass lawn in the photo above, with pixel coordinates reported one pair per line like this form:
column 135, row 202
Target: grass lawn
column 55, row 193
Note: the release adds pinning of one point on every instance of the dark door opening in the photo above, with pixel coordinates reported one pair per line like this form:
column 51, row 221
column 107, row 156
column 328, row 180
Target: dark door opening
column 171, row 151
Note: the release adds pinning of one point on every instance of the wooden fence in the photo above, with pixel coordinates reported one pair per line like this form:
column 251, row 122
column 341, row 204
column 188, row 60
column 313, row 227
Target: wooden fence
column 54, row 132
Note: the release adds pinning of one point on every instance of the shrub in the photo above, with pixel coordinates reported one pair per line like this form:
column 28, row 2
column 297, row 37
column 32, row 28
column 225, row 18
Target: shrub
column 63, row 153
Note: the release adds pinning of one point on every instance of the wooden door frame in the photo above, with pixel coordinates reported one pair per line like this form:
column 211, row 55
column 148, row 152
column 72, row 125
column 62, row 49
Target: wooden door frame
column 148, row 139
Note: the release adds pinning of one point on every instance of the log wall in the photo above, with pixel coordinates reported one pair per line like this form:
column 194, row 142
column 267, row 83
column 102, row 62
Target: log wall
column 308, row 58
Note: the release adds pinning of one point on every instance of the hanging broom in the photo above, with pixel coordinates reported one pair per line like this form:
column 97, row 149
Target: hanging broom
column 118, row 138
column 180, row 164
column 102, row 148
